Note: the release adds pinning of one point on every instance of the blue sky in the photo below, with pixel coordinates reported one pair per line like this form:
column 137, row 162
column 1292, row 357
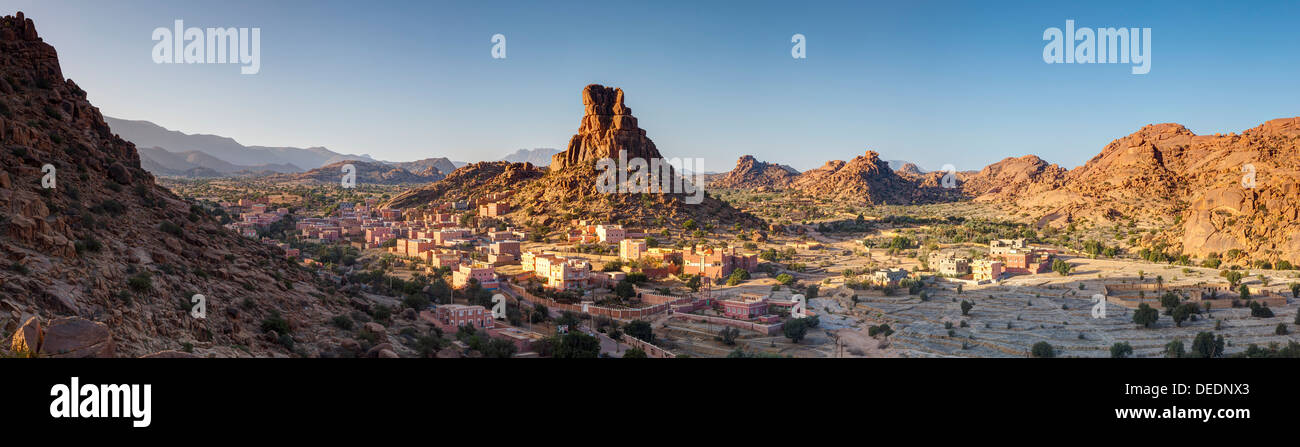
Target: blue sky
column 937, row 83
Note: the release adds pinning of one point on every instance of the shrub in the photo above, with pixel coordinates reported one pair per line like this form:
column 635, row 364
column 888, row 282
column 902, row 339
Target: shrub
column 1121, row 350
column 1042, row 350
column 276, row 323
column 171, row 228
column 140, row 282
column 342, row 322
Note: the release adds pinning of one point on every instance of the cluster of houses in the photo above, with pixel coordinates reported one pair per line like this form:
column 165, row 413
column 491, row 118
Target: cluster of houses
column 253, row 214
column 1006, row 256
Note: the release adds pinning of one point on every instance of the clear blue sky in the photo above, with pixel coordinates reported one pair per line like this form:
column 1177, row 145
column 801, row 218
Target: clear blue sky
column 930, row 82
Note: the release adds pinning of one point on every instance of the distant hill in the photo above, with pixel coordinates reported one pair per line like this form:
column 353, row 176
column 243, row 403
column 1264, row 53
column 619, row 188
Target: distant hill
column 149, row 135
column 441, row 166
column 540, row 157
column 367, row 173
column 163, row 162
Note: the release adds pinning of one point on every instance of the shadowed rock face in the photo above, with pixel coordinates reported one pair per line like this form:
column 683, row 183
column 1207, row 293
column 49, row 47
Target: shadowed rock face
column 607, row 127
column 76, row 248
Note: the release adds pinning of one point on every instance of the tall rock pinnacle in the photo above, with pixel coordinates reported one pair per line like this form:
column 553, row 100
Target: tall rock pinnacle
column 607, row 127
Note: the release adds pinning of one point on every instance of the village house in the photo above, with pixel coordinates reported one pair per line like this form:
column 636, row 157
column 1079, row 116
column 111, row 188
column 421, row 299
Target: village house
column 631, row 249
column 1003, row 246
column 457, row 315
column 949, row 264
column 557, row 272
column 611, row 234
column 494, row 209
column 986, row 270
column 717, row 263
column 745, row 307
column 889, row 277
column 484, row 274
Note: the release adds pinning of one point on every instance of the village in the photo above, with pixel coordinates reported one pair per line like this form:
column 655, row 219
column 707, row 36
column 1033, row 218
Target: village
column 796, row 293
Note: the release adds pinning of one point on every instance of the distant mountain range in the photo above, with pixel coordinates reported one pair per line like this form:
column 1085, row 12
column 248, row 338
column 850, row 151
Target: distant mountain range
column 168, row 152
column 540, row 157
column 223, row 149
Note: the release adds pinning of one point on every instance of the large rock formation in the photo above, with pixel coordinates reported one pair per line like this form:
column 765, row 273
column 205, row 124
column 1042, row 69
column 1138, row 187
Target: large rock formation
column 1192, row 186
column 753, row 174
column 109, row 258
column 865, row 178
column 568, row 190
column 607, row 127
column 1012, row 178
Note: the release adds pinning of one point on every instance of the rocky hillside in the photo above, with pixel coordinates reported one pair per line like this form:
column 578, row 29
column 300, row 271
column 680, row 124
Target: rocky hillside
column 367, row 173
column 470, row 182
column 105, row 262
column 865, row 178
column 1012, row 178
column 753, row 174
column 440, row 166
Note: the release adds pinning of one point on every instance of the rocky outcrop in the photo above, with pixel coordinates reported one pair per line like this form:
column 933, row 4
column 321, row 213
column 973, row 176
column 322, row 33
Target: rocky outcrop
column 66, row 337
column 607, row 127
column 1012, row 177
column 865, row 178
column 90, row 256
column 1193, row 187
column 753, row 174
column 568, row 190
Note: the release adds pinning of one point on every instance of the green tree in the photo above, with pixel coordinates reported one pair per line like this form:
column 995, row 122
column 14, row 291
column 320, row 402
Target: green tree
column 1145, row 315
column 1206, row 345
column 693, row 283
column 1042, row 350
column 795, row 329
column 784, row 279
column 624, row 289
column 1169, row 301
column 1062, row 267
column 576, row 345
column 1121, row 350
column 728, row 335
column 966, row 306
column 641, row 330
column 634, row 353
column 1175, row 349
column 1183, row 312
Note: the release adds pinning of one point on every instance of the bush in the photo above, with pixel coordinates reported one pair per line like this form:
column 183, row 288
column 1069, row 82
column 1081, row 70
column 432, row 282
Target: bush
column 342, row 322
column 1121, row 350
column 1281, row 329
column 171, row 228
column 140, row 282
column 1260, row 311
column 89, row 244
column 1042, row 350
column 275, row 323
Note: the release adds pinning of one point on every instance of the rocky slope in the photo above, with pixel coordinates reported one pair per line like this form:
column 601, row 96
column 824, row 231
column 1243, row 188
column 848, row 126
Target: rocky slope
column 865, row 178
column 753, row 174
column 107, row 258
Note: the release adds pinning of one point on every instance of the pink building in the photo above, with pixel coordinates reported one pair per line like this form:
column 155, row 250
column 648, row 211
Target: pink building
column 457, row 315
column 485, row 276
column 717, row 264
column 612, row 234
column 745, row 307
column 631, row 249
